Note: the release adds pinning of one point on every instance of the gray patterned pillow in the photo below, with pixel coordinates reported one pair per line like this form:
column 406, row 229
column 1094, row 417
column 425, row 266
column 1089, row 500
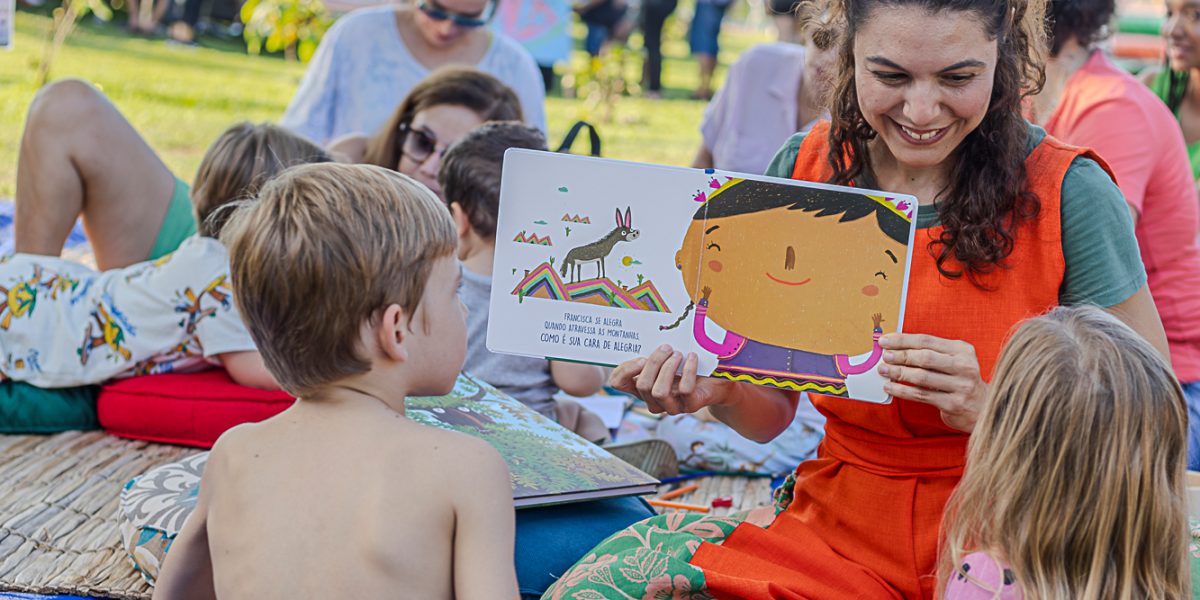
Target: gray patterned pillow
column 153, row 509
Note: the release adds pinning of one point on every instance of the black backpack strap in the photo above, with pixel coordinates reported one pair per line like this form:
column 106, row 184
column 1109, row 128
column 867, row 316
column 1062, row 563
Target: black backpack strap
column 569, row 139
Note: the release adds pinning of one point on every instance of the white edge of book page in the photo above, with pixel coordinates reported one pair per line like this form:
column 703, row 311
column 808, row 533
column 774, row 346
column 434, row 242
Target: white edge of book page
column 552, row 499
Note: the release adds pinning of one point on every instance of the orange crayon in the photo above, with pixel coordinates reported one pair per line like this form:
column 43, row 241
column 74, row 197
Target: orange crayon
column 679, row 492
column 680, row 506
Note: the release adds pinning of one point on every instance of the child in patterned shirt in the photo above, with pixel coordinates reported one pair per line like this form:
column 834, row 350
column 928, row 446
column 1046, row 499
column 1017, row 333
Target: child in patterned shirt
column 63, row 324
column 1074, row 485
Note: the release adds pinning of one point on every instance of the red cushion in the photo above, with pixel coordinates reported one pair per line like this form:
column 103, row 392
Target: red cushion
column 192, row 409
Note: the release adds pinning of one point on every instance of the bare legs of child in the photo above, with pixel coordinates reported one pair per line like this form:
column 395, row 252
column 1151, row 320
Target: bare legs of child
column 80, row 157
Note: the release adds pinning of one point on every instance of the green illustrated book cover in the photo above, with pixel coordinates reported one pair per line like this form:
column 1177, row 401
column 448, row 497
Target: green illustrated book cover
column 548, row 463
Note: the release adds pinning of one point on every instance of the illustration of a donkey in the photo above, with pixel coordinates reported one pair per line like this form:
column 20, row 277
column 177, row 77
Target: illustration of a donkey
column 598, row 250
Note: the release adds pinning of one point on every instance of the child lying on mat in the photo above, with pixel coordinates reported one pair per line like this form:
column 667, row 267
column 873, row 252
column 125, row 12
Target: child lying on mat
column 63, row 324
column 346, row 278
column 470, row 181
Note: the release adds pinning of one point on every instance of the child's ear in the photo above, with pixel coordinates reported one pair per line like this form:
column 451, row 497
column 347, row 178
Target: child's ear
column 393, row 332
column 461, row 221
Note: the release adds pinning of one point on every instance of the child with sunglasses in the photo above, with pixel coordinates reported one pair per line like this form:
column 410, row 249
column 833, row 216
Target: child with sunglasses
column 372, row 58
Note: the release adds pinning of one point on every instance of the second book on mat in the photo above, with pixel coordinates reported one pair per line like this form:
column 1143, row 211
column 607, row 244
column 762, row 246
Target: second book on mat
column 769, row 281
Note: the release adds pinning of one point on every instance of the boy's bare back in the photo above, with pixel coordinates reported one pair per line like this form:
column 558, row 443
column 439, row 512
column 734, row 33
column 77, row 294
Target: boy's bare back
column 351, row 499
column 341, row 496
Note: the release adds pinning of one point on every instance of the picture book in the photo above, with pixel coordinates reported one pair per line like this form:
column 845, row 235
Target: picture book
column 769, row 281
column 548, row 463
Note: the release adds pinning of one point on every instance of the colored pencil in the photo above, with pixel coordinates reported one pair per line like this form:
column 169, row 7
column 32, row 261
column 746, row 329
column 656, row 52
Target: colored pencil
column 679, row 492
column 691, row 507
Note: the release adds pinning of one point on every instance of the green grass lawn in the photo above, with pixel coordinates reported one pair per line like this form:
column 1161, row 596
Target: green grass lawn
column 181, row 98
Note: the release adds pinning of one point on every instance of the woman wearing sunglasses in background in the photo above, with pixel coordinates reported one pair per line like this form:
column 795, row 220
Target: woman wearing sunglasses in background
column 436, row 113
column 371, row 58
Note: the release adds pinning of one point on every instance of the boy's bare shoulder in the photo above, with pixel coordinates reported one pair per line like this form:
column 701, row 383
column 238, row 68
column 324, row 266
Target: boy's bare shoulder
column 453, row 444
column 449, row 455
column 234, row 442
column 237, row 438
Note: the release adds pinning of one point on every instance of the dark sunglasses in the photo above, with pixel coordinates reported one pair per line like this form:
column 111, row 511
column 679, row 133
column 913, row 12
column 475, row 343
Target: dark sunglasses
column 418, row 144
column 437, row 13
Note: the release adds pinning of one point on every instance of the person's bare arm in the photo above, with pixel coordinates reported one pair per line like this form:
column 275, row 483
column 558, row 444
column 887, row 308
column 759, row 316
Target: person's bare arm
column 187, row 570
column 576, row 379
column 1140, row 314
column 757, row 413
column 484, row 527
column 349, row 148
column 703, row 159
column 247, row 368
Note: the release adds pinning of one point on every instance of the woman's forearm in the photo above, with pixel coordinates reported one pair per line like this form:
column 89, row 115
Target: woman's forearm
column 756, row 412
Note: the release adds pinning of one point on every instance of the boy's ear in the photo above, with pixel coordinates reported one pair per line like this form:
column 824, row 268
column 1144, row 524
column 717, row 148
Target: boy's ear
column 393, row 332
column 461, row 221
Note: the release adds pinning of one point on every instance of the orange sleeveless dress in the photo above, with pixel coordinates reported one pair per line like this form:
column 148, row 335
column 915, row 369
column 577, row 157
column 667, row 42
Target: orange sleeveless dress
column 867, row 512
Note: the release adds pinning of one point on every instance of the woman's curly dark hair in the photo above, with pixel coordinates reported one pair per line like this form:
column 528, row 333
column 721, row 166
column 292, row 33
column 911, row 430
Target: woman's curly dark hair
column 985, row 200
column 1084, row 20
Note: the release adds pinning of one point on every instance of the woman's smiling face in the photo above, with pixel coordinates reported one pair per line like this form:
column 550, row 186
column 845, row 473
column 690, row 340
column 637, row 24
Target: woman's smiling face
column 924, row 80
column 1182, row 30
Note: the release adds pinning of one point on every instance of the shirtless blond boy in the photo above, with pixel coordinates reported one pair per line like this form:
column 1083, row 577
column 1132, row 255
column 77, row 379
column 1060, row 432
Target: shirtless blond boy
column 346, row 278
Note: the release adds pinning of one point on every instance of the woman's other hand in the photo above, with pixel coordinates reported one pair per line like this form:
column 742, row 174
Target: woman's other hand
column 940, row 372
column 756, row 412
column 654, row 380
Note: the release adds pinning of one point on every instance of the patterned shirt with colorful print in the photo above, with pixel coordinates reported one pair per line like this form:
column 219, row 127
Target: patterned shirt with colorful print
column 63, row 324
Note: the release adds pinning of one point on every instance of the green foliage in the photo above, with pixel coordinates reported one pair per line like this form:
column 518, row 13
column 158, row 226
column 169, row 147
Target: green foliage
column 158, row 87
column 83, row 8
column 293, row 27
column 65, row 18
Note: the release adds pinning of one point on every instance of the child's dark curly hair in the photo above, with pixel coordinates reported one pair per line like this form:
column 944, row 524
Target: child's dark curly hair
column 1085, row 20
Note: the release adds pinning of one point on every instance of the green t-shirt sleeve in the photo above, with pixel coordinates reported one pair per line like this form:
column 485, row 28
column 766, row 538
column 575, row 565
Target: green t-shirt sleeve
column 1103, row 264
column 785, row 160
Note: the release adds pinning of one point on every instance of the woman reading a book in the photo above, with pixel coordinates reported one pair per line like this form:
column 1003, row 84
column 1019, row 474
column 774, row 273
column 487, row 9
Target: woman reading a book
column 927, row 101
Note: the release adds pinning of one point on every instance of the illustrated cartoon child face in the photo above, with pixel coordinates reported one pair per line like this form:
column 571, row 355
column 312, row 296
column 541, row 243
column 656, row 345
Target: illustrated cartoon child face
column 793, row 279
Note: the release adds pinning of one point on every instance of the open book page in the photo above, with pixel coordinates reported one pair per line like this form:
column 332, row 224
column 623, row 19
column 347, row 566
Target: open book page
column 548, row 463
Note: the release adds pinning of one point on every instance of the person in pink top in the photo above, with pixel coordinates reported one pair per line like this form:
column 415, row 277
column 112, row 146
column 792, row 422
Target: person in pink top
column 1089, row 101
column 771, row 92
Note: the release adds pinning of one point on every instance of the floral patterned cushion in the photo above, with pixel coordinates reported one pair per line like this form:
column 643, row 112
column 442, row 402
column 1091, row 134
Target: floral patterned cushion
column 153, row 509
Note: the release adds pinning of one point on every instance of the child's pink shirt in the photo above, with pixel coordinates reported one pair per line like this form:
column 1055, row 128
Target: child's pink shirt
column 1106, row 109
column 983, row 579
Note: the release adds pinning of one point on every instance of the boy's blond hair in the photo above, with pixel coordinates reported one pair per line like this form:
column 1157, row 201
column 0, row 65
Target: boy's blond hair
column 239, row 162
column 1075, row 470
column 322, row 251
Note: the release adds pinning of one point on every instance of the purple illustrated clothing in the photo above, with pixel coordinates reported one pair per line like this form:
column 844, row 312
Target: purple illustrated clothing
column 742, row 359
column 980, row 577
